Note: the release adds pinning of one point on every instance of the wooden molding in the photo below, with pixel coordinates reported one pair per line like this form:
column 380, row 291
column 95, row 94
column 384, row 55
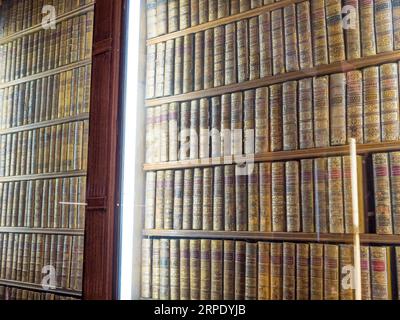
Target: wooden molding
column 26, row 230
column 45, row 176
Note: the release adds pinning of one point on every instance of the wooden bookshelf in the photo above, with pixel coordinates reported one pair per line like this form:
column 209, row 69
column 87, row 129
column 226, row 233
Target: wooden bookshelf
column 39, row 288
column 26, row 230
column 222, row 21
column 274, row 236
column 44, row 176
column 274, row 156
column 337, row 67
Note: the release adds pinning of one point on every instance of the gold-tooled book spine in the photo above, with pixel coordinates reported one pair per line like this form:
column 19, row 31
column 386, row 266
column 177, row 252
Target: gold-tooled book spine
column 345, row 272
column 371, row 105
column 230, row 210
column 253, row 197
column 169, row 68
column 241, row 198
column 264, row 271
column 354, row 106
column 291, row 49
column 251, row 271
column 194, row 269
column 306, row 123
column 307, row 195
column 383, row 210
column 265, row 197
column 335, row 190
column 219, row 56
column 249, row 121
column 276, row 117
column 150, row 200
column 318, row 26
column 218, row 199
column 217, row 269
column 215, row 127
column 321, row 111
column 151, row 9
column 230, row 54
column 199, row 61
column 389, row 102
column 194, row 130
column 184, row 133
column 164, row 131
column 208, row 58
column 365, row 273
column 175, row 269
column 178, row 69
column 207, row 199
column 352, row 29
column 184, row 14
column 197, row 199
column 155, row 273
column 160, row 68
column 205, row 270
column 334, row 29
column 395, row 187
column 262, row 121
column 321, row 195
column 276, row 271
column 293, row 223
column 212, row 10
column 229, row 270
column 337, row 101
column 397, row 250
column 168, row 199
column 289, row 114
column 367, row 28
column 194, row 12
column 204, row 139
column 381, row 273
column 162, row 17
column 289, row 271
column 265, row 45
column 396, row 24
column 316, row 271
column 331, row 272
column 203, row 11
column 164, row 269
column 173, row 15
column 187, row 216
column 240, row 270
column 160, row 189
column 278, row 197
column 188, row 63
column 254, row 49
column 302, row 271
column 383, row 25
column 185, row 272
column 178, row 200
column 242, row 50
column 236, row 123
column 173, row 114
column 304, row 35
column 278, row 48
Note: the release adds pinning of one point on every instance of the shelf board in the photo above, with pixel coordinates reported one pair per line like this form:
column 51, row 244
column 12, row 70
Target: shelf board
column 274, row 156
column 222, row 21
column 44, row 176
column 274, row 236
column 49, row 231
column 65, row 16
column 44, row 124
column 47, row 73
column 37, row 287
column 337, row 67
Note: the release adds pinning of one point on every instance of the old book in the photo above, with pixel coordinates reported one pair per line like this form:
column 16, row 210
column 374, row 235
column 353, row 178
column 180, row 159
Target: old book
column 237, row 123
column 205, row 269
column 289, row 271
column 381, row 277
column 215, row 127
column 159, row 210
column 178, row 200
column 222, row 9
column 162, row 17
column 207, row 199
column 354, row 106
column 398, row 269
column 371, row 105
column 331, row 272
column 208, row 58
column 320, row 39
column 240, row 270
column 293, row 223
column 394, row 188
column 203, row 11
column 321, row 111
column 194, row 130
column 188, row 63
column 383, row 210
column 334, row 28
column 276, row 117
column 289, row 115
column 335, row 191
column 156, row 137
column 307, row 195
column 306, row 123
column 173, row 115
column 169, row 199
column 351, row 27
column 244, row 5
column 164, row 269
column 169, row 68
column 264, row 271
column 346, row 283
column 253, row 198
column 242, row 50
column 197, row 199
column 194, row 269
column 321, row 195
column 219, row 56
column 261, row 121
column 278, row 197
column 304, row 35
column 337, row 100
column 241, row 199
column 225, row 133
column 249, row 121
column 229, row 270
column 160, row 69
column 389, row 102
column 187, row 216
column 218, row 199
column 265, row 45
column 194, row 12
column 230, row 208
column 278, row 54
column 217, row 258
column 174, row 269
column 155, row 272
column 291, row 49
column 367, row 28
column 164, row 131
column 212, row 10
column 150, row 200
column 276, row 271
column 265, row 197
column 254, row 49
column 184, row 271
column 365, row 273
column 230, row 54
column 173, row 15
column 303, row 266
column 251, row 271
column 383, row 25
column 199, row 61
column 178, row 68
column 184, row 133
column 184, row 14
column 204, row 133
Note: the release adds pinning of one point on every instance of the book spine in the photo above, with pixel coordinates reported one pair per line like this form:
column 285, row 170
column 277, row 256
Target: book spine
column 254, row 49
column 173, row 15
column 160, row 69
column 162, row 17
column 383, row 25
column 204, row 134
column 205, row 270
column 237, row 123
column 178, row 200
column 395, row 186
column 307, row 195
column 249, row 121
column 208, row 58
column 164, row 269
column 151, row 71
column 230, row 210
column 278, row 54
column 203, row 11
column 352, row 29
column 218, row 199
column 197, row 199
column 217, row 258
column 229, row 270
column 173, row 124
column 199, row 60
column 188, row 63
column 304, row 35
column 292, row 196
column 321, row 195
column 335, row 31
column 194, row 280
column 212, row 10
column 289, row 271
column 302, row 271
column 164, row 132
column 265, row 45
column 397, row 250
column 291, row 38
column 178, row 68
column 187, row 216
column 380, row 273
column 225, row 134
column 219, row 56
column 261, row 121
column 371, row 105
column 306, row 123
column 251, row 271
column 160, row 190
column 367, row 27
column 319, row 34
column 184, row 14
column 185, row 272
column 331, row 272
column 276, row 271
column 240, row 270
column 169, row 199
column 150, row 200
column 222, row 9
column 242, row 28
column 244, row 5
column 215, row 127
column 396, row 24
column 264, row 271
column 354, row 106
column 276, row 117
column 289, row 114
column 194, row 12
column 175, row 269
column 335, row 190
column 365, row 273
column 230, row 54
column 321, row 111
column 207, row 199
column 184, row 133
column 194, row 130
column 169, row 68
column 155, row 272
column 346, row 265
column 253, row 198
column 241, row 200
column 278, row 197
column 337, row 102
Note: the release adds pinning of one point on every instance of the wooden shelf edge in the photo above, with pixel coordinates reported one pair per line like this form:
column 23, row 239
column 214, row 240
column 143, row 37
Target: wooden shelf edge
column 44, row 124
column 222, row 21
column 47, row 231
column 337, row 67
column 37, row 287
column 273, row 236
column 44, row 176
column 65, row 16
column 274, row 156
column 47, row 73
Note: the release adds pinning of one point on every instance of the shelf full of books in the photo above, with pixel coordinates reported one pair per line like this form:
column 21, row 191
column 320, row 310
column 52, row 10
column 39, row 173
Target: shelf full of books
column 45, row 73
column 250, row 109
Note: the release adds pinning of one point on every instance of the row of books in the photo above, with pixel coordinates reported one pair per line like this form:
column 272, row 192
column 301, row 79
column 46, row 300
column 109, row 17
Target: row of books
column 47, row 49
column 311, row 195
column 166, row 16
column 183, row 269
column 29, row 258
column 270, row 44
column 51, row 149
column 49, row 98
column 20, row 15
column 55, row 203
column 12, row 293
column 312, row 112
